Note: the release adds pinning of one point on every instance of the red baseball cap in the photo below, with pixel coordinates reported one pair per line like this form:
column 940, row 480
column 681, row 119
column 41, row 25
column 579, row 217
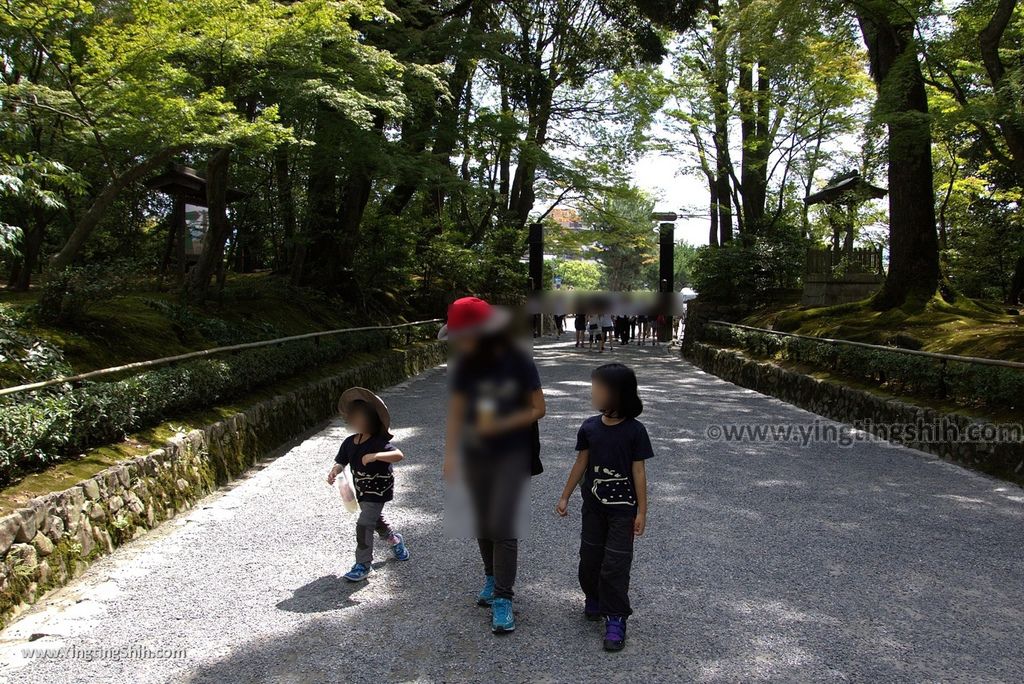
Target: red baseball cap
column 472, row 315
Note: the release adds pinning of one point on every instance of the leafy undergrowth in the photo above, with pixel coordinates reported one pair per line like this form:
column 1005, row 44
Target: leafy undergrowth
column 144, row 325
column 966, row 328
column 66, row 474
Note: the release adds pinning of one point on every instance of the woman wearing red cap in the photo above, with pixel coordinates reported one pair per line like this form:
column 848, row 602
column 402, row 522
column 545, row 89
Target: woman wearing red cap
column 496, row 401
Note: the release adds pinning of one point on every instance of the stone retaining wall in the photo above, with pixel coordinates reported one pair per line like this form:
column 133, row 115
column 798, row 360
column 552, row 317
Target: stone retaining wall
column 47, row 543
column 858, row 407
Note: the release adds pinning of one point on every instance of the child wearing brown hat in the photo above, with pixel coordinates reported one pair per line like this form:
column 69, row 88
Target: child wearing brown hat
column 370, row 455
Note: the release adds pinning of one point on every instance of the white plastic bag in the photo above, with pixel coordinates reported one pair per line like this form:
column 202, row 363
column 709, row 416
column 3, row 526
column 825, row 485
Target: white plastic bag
column 347, row 490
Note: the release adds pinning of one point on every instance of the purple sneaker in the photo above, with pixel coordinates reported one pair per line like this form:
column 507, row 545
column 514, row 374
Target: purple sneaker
column 592, row 610
column 615, row 633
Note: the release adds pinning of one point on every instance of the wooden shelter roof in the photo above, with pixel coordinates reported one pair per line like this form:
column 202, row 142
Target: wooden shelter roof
column 189, row 182
column 844, row 188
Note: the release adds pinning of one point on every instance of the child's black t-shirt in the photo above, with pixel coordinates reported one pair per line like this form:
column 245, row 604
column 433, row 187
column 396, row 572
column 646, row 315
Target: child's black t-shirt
column 612, row 449
column 374, row 482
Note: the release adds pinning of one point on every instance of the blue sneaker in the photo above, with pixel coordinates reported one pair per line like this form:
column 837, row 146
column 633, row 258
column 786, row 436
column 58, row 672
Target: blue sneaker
column 591, row 610
column 359, row 572
column 486, row 594
column 502, row 619
column 398, row 548
column 614, row 633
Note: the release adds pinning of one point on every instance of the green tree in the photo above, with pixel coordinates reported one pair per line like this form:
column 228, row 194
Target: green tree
column 789, row 80
column 575, row 274
column 619, row 222
column 979, row 121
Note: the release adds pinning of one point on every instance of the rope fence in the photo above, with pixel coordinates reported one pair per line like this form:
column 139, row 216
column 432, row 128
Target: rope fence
column 201, row 354
column 878, row 347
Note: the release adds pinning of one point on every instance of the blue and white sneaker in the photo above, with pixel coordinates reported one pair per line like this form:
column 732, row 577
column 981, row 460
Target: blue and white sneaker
column 359, row 572
column 486, row 594
column 398, row 547
column 502, row 619
column 591, row 610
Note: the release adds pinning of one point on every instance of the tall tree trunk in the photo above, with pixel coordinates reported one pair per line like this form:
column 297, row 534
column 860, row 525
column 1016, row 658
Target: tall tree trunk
column 321, row 192
column 285, row 202
column 32, row 245
column 713, row 211
column 331, row 256
column 354, row 198
column 416, row 134
column 1008, row 120
column 758, row 181
column 505, row 144
column 448, row 113
column 91, row 218
column 14, row 263
column 748, row 131
column 210, row 257
column 903, row 106
column 1016, row 291
column 723, row 205
column 523, row 195
column 723, row 164
column 849, row 216
column 754, row 112
column 709, row 174
column 808, row 182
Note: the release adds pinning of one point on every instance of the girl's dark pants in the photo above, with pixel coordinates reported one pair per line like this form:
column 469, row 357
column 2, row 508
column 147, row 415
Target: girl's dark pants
column 606, row 556
column 496, row 485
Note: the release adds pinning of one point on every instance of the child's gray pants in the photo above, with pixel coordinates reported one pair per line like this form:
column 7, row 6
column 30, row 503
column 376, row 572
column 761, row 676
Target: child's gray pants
column 371, row 518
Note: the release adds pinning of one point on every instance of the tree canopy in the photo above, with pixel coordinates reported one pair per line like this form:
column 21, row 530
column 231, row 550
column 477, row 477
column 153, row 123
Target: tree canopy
column 394, row 150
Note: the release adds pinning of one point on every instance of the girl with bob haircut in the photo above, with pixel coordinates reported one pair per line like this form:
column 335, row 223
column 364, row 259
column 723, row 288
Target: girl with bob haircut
column 619, row 381
column 611, row 450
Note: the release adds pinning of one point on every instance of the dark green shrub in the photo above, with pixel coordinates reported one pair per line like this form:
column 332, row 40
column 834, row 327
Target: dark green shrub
column 40, row 428
column 748, row 271
column 25, row 357
column 969, row 384
column 67, row 295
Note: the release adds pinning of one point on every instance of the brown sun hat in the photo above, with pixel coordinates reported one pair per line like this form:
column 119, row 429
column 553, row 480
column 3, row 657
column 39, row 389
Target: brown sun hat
column 362, row 394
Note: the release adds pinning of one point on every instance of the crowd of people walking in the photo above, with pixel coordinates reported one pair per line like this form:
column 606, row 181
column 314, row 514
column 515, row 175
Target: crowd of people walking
column 601, row 330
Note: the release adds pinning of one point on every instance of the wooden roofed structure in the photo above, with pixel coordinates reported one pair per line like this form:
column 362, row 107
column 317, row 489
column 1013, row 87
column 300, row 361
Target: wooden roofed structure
column 187, row 187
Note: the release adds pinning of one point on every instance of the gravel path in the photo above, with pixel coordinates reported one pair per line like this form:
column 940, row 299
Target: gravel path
column 762, row 561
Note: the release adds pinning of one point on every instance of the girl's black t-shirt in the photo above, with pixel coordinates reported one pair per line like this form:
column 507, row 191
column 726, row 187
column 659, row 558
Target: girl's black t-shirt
column 374, row 482
column 612, row 449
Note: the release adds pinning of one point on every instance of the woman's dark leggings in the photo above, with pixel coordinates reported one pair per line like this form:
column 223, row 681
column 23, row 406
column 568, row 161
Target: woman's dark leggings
column 496, row 482
column 500, row 559
column 606, row 557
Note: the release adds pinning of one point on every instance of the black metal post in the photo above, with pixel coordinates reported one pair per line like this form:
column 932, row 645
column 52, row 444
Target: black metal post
column 536, row 244
column 666, row 277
